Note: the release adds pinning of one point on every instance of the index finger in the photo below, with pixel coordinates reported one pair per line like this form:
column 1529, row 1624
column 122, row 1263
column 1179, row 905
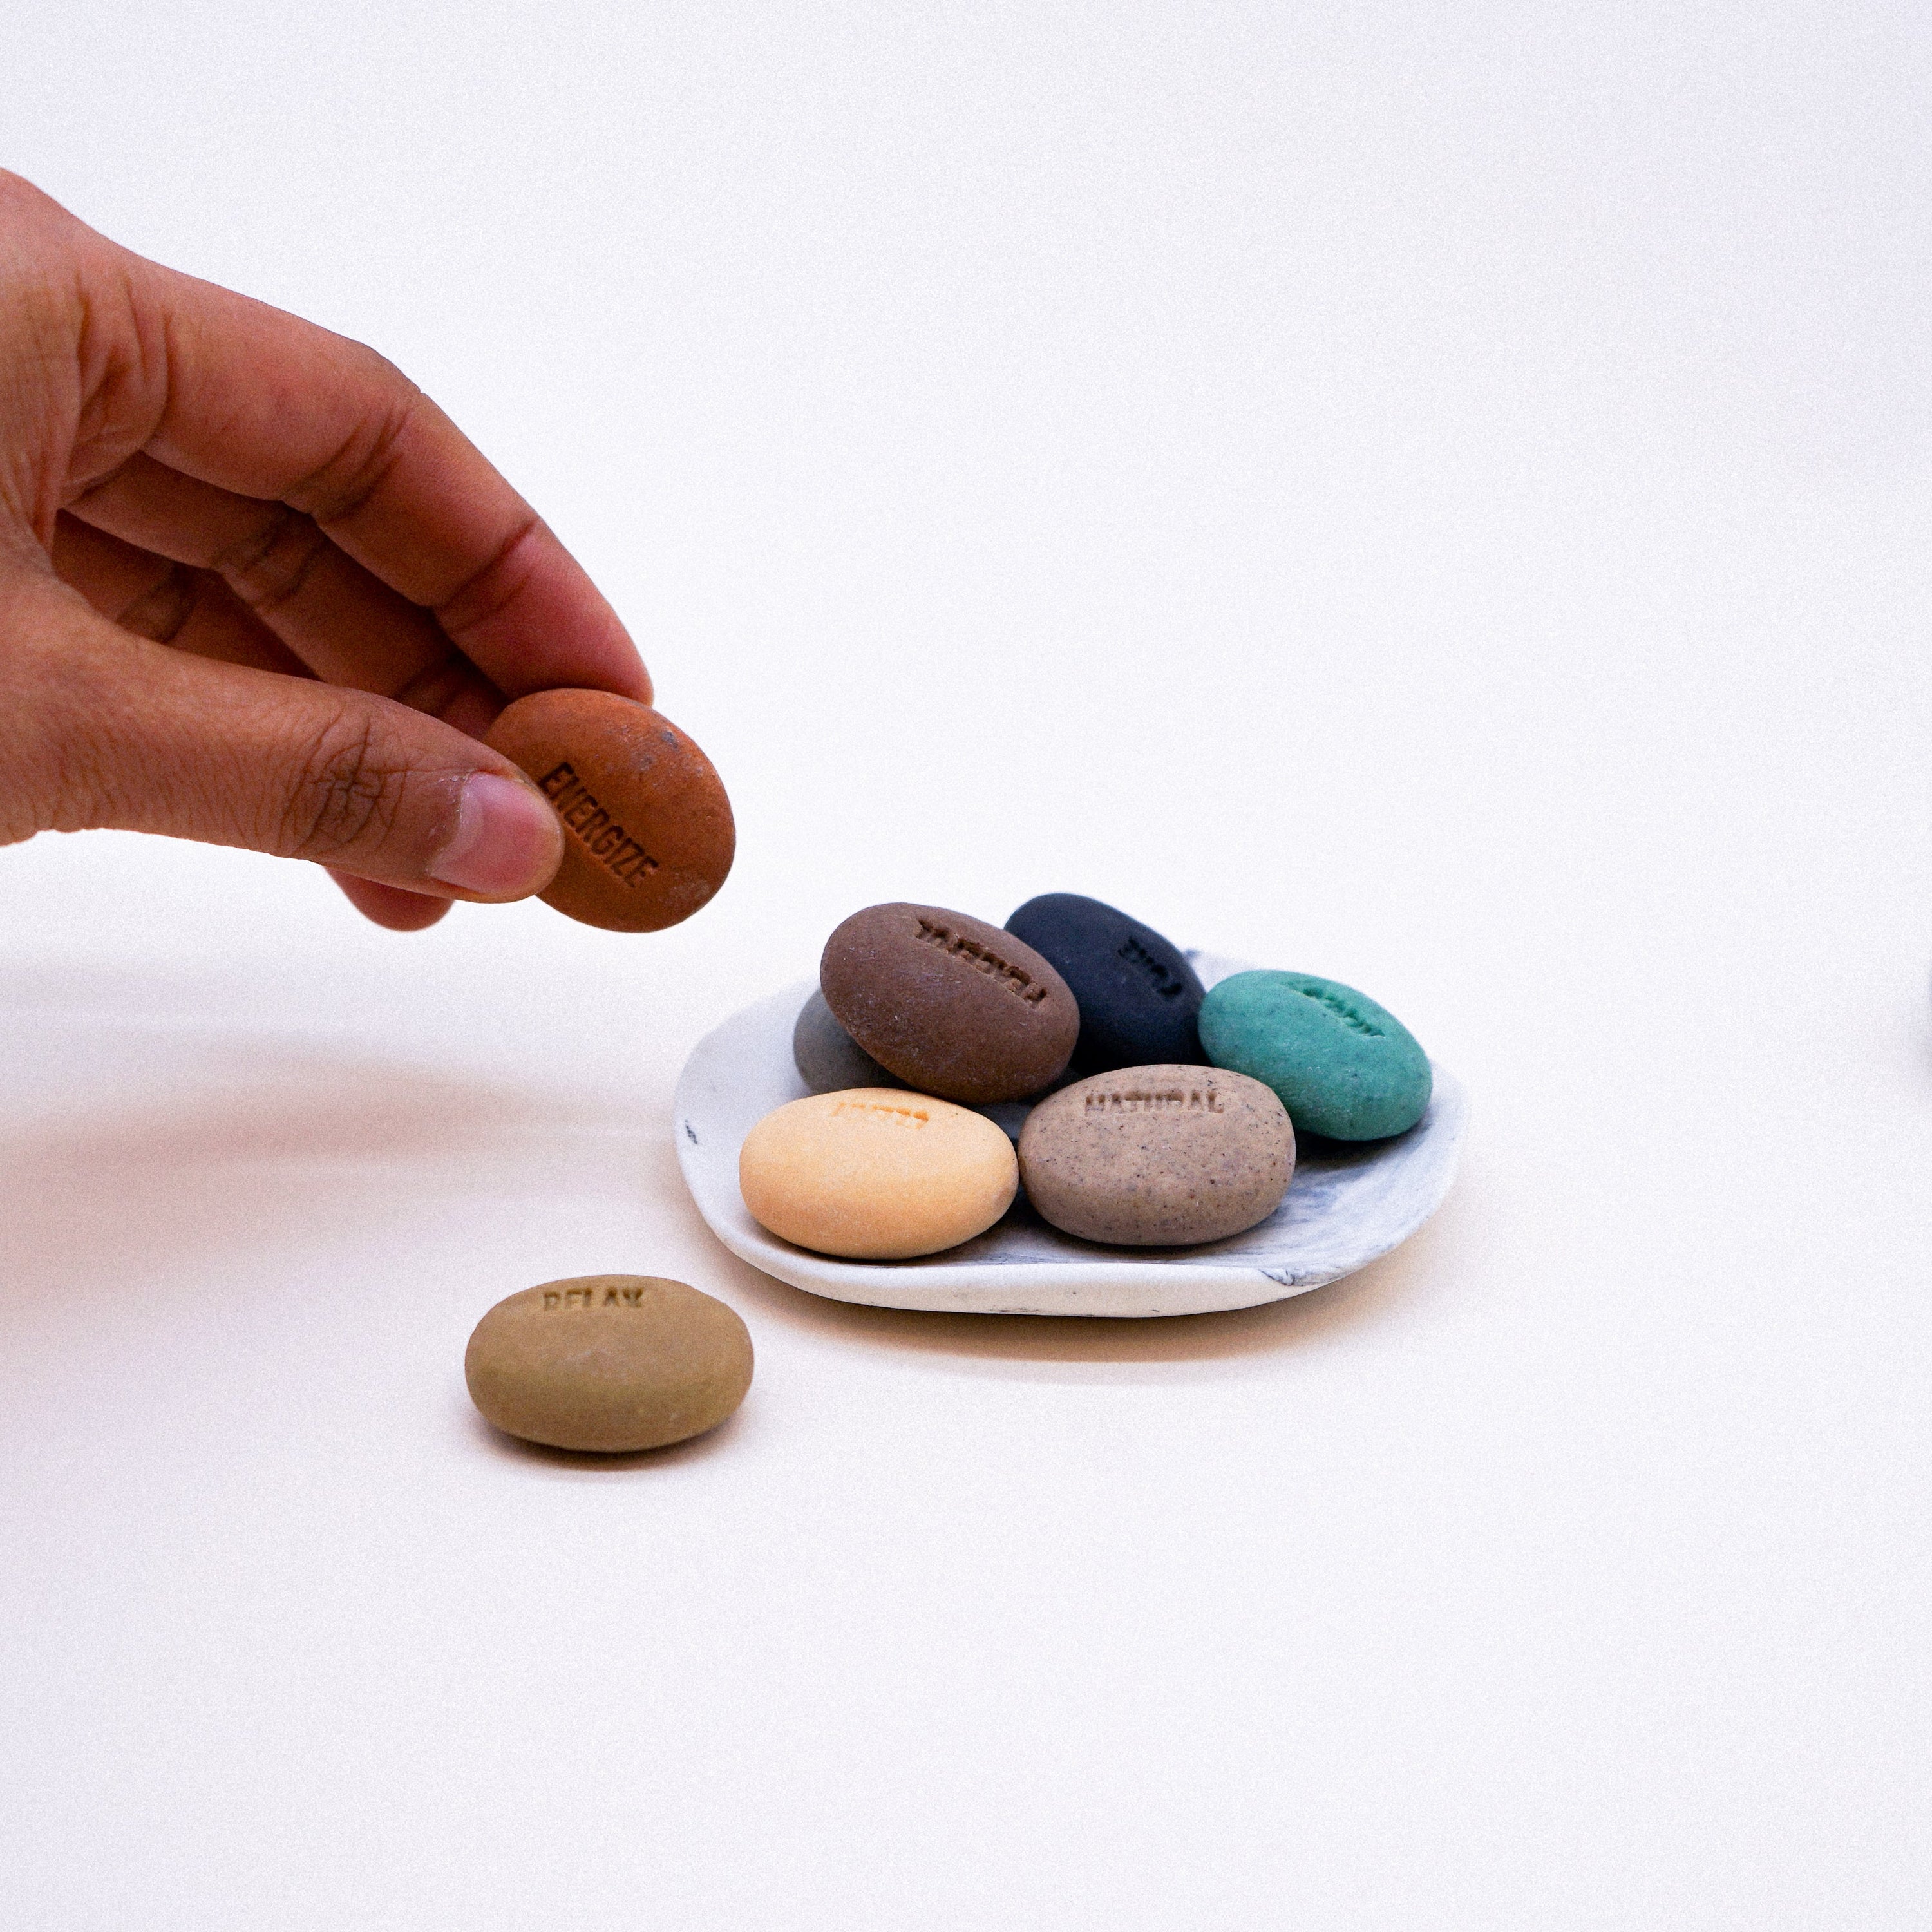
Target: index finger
column 266, row 405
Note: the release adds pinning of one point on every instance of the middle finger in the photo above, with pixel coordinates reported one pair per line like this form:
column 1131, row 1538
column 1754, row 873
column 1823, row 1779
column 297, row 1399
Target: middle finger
column 347, row 626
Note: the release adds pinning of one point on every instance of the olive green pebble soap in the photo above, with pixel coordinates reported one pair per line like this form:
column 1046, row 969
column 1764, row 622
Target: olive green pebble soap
column 1341, row 1065
column 608, row 1362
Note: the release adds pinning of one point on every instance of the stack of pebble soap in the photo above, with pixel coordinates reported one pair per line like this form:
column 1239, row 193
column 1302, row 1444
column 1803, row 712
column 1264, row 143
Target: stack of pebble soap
column 1161, row 1115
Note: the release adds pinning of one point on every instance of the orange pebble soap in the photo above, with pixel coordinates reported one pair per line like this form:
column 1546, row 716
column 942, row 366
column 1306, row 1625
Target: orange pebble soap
column 648, row 835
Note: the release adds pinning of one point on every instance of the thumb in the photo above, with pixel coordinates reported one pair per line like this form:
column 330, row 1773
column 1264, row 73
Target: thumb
column 100, row 727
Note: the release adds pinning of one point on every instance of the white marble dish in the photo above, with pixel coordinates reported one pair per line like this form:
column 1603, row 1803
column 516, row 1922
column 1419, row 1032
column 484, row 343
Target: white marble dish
column 1344, row 1207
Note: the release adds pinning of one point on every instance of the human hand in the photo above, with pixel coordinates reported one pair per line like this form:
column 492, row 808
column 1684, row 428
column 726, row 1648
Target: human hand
column 256, row 588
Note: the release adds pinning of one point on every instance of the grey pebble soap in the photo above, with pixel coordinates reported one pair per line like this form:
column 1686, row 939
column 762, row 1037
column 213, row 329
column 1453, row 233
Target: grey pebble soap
column 829, row 1060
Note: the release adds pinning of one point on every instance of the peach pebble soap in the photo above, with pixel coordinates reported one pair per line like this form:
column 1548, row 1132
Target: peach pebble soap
column 876, row 1174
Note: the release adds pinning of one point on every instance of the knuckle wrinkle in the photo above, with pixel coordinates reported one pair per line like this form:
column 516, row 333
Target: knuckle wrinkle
column 346, row 481
column 491, row 588
column 346, row 795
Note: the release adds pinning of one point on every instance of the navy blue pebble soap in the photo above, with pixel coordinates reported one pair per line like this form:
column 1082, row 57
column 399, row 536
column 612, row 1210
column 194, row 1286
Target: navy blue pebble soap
column 1138, row 996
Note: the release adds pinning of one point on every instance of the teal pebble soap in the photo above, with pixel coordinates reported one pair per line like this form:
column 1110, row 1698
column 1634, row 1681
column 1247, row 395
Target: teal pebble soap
column 1341, row 1065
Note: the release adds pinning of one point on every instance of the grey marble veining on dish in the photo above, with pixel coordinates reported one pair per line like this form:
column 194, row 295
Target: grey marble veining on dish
column 1346, row 1206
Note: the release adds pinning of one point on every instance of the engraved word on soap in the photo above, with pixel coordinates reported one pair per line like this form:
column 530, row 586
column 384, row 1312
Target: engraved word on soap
column 885, row 1115
column 1162, row 1100
column 1354, row 1021
column 1013, row 978
column 606, row 841
column 1150, row 968
column 614, row 1296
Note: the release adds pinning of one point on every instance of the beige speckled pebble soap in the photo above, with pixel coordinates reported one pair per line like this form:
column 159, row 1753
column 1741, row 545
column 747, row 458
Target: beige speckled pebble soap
column 1158, row 1156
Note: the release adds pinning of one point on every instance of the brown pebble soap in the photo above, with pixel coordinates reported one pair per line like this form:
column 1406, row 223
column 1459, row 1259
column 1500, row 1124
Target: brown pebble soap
column 648, row 835
column 1158, row 1156
column 608, row 1362
column 953, row 1006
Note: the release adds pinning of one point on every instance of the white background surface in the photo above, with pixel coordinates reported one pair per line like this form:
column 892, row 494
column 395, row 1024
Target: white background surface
column 1435, row 497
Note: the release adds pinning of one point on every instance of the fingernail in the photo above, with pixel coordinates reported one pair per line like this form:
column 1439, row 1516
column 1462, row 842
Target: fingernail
column 507, row 841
